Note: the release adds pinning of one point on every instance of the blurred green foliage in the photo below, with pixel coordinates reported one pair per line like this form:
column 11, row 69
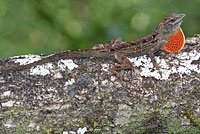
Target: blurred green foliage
column 48, row 26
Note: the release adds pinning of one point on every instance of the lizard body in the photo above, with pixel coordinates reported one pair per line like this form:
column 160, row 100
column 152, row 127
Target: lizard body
column 149, row 45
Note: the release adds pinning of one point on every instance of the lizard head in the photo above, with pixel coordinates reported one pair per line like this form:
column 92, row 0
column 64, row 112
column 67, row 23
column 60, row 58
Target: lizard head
column 170, row 24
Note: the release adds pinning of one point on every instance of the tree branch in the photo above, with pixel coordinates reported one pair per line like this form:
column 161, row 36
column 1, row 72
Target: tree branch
column 68, row 94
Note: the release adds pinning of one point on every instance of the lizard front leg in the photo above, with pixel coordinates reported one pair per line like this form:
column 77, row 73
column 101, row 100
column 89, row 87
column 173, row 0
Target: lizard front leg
column 158, row 46
column 155, row 64
column 124, row 63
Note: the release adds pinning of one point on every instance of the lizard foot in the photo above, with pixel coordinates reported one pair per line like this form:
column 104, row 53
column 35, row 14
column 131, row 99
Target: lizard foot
column 124, row 63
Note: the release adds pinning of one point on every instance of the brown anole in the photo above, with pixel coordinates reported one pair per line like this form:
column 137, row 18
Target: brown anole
column 167, row 36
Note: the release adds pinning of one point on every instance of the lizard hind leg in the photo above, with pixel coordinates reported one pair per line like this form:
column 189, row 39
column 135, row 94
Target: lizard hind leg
column 111, row 43
column 124, row 63
column 116, row 41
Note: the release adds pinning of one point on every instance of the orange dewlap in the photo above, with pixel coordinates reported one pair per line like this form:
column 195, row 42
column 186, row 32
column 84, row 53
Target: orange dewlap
column 176, row 42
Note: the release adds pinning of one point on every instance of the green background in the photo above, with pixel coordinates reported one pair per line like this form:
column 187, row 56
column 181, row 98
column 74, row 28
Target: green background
column 49, row 26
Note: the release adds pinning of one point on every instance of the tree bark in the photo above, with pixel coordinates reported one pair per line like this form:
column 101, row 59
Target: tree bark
column 67, row 95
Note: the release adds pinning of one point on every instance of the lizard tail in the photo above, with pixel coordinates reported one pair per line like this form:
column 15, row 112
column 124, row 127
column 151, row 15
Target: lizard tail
column 60, row 55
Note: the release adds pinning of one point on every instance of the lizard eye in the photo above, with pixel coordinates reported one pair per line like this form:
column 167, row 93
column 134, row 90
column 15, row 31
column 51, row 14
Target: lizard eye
column 172, row 19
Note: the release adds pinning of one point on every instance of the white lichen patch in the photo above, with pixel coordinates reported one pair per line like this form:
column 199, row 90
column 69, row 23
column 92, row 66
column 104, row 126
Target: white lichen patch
column 105, row 67
column 26, row 59
column 31, row 125
column 82, row 130
column 58, row 75
column 8, row 103
column 6, row 93
column 9, row 125
column 44, row 69
column 51, row 89
column 70, row 82
column 37, row 128
column 79, row 131
column 65, row 132
column 181, row 66
column 67, row 63
column 187, row 62
column 105, row 82
column 146, row 66
column 41, row 69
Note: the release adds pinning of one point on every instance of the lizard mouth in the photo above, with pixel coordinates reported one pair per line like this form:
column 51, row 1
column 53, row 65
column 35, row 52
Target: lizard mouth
column 181, row 17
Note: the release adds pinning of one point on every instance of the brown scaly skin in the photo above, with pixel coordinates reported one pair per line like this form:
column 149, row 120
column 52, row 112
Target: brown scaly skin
column 115, row 49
